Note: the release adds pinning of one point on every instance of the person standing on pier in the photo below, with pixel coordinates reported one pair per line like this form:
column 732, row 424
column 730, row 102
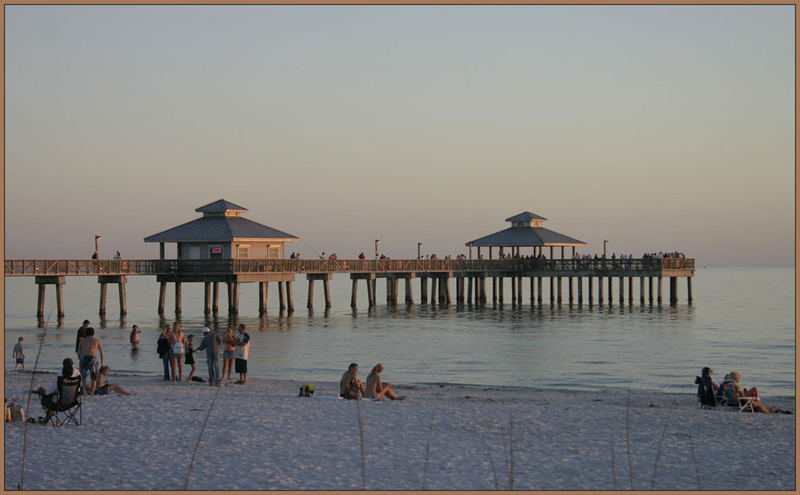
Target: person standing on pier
column 81, row 334
column 212, row 343
column 240, row 354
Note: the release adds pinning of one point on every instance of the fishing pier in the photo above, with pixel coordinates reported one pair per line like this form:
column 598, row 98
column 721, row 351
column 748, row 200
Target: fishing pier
column 574, row 281
column 222, row 246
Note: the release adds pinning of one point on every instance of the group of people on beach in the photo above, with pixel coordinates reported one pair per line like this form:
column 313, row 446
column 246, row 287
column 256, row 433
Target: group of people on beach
column 730, row 393
column 350, row 387
column 175, row 349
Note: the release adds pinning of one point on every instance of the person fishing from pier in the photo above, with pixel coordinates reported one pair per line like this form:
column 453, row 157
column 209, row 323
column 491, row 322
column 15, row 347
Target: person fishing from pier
column 87, row 350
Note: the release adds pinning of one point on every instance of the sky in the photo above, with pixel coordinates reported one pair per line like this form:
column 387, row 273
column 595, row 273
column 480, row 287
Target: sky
column 657, row 128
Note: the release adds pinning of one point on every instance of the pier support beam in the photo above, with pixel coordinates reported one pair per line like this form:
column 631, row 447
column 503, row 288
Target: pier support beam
column 539, row 290
column 500, row 282
column 43, row 281
column 120, row 280
column 162, row 297
column 281, row 296
column 559, row 290
column 215, row 299
column 569, row 281
column 580, row 291
column 533, row 291
column 409, row 292
column 494, row 290
column 207, row 298
column 591, row 291
column 630, row 291
column 177, row 298
column 650, row 290
column 660, row 290
column 289, row 297
column 641, row 291
column 610, row 290
column 552, row 286
column 263, row 287
column 599, row 291
column 325, row 278
column 621, row 291
column 519, row 288
column 423, row 290
column 689, row 289
column 673, row 291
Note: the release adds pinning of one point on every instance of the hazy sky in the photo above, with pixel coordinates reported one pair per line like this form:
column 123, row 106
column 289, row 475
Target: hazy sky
column 655, row 127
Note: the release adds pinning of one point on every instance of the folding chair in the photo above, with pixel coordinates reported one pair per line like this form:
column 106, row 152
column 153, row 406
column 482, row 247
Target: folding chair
column 68, row 405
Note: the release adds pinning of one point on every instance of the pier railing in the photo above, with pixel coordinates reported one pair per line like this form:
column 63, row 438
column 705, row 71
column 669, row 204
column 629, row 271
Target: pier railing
column 51, row 267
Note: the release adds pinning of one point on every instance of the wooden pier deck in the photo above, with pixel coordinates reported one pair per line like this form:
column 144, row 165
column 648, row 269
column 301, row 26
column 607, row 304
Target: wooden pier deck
column 470, row 276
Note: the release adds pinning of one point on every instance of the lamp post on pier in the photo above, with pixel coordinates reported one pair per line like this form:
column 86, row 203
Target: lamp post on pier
column 605, row 243
column 96, row 248
column 377, row 241
column 418, row 251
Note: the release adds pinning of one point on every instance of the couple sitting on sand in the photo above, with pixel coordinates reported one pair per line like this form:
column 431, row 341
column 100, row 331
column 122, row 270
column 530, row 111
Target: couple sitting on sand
column 729, row 391
column 350, row 387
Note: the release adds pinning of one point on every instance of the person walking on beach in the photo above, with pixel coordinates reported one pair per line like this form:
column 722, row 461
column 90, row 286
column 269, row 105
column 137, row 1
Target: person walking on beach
column 81, row 334
column 190, row 356
column 229, row 341
column 212, row 343
column 162, row 348
column 241, row 353
column 18, row 354
column 87, row 350
column 176, row 347
column 134, row 337
column 350, row 387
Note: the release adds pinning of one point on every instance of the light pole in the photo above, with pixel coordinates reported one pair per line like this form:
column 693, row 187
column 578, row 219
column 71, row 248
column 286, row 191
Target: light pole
column 605, row 243
column 96, row 249
column 418, row 252
column 377, row 241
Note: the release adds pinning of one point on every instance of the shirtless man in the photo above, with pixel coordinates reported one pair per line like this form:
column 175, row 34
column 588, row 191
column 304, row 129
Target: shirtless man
column 87, row 350
column 350, row 387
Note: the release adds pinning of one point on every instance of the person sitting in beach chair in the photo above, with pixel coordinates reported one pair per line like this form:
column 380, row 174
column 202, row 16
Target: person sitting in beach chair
column 62, row 401
column 735, row 394
column 350, row 387
column 706, row 389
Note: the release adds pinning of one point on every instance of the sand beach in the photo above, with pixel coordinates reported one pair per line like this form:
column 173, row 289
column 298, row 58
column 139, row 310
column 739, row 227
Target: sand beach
column 262, row 436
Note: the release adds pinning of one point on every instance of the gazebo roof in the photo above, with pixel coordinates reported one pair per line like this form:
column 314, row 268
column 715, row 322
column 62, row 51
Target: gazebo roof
column 216, row 225
column 526, row 231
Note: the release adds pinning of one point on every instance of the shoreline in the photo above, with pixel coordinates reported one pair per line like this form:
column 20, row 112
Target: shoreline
column 261, row 436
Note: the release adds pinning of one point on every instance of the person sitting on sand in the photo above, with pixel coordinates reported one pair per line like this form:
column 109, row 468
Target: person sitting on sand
column 375, row 388
column 350, row 387
column 732, row 391
column 102, row 387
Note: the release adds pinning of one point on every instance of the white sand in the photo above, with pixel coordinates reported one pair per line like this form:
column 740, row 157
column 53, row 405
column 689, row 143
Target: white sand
column 263, row 437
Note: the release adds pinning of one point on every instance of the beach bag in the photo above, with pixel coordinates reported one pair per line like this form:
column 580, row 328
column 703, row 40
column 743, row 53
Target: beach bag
column 177, row 348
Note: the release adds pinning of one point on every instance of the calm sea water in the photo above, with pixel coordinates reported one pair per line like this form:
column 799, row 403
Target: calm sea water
column 742, row 319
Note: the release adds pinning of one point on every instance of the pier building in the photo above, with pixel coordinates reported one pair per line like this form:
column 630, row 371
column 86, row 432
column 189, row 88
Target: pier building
column 223, row 234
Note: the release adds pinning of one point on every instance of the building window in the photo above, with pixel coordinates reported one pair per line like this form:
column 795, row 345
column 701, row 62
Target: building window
column 274, row 252
column 244, row 252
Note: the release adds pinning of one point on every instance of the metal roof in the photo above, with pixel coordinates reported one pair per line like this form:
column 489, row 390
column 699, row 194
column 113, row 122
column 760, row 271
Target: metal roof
column 525, row 216
column 210, row 229
column 220, row 206
column 526, row 236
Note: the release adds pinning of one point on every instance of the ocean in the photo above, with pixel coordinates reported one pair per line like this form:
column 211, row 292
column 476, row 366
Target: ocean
column 741, row 319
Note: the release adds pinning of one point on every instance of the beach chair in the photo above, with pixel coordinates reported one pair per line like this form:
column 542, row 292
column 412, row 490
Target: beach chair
column 705, row 392
column 67, row 408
